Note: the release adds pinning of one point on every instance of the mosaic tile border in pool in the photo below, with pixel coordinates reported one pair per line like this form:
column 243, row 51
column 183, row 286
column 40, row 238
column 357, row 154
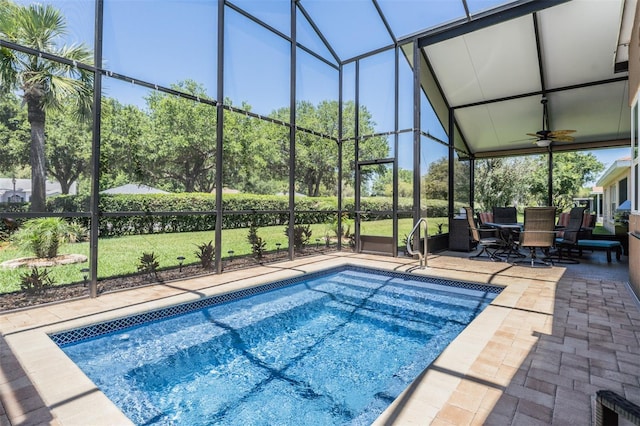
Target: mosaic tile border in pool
column 84, row 333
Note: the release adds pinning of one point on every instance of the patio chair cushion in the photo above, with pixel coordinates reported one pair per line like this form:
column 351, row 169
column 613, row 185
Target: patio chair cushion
column 485, row 217
column 563, row 219
column 602, row 245
column 588, row 221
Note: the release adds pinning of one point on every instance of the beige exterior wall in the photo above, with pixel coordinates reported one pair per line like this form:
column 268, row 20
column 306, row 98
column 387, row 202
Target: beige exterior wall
column 634, row 253
column 634, row 219
column 611, row 197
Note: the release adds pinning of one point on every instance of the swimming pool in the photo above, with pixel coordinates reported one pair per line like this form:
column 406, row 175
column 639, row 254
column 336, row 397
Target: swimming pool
column 333, row 347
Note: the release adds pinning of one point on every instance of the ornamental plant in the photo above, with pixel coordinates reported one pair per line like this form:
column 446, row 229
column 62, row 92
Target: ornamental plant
column 301, row 235
column 148, row 263
column 36, row 281
column 258, row 245
column 44, row 236
column 206, row 254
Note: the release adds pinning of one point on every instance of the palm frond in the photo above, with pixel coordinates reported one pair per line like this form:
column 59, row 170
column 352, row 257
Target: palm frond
column 77, row 52
column 7, row 20
column 39, row 25
column 8, row 70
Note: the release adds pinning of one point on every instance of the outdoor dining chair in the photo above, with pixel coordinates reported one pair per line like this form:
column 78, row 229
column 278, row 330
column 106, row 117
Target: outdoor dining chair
column 505, row 215
column 568, row 237
column 489, row 245
column 538, row 233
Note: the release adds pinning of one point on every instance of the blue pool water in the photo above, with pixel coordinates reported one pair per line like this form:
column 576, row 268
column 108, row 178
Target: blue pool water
column 335, row 347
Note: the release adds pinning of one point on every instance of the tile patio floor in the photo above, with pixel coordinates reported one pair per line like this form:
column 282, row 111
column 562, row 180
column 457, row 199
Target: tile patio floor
column 536, row 356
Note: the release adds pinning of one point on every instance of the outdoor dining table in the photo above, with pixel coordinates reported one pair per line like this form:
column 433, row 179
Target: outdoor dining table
column 508, row 232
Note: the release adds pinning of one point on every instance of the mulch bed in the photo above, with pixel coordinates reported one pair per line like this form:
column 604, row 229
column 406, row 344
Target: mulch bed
column 20, row 299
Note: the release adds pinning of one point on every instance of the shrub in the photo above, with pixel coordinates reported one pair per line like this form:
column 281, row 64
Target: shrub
column 43, row 236
column 35, row 281
column 257, row 244
column 327, row 240
column 345, row 228
column 301, row 235
column 206, row 254
column 274, row 211
column 148, row 263
column 77, row 233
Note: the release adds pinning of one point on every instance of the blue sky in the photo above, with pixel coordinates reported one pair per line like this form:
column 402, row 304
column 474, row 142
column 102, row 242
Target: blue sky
column 164, row 42
column 609, row 156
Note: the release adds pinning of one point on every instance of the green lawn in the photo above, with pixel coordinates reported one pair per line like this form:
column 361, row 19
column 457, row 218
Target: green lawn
column 119, row 256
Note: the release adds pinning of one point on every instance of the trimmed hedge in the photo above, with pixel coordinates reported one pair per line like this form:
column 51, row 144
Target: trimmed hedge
column 250, row 208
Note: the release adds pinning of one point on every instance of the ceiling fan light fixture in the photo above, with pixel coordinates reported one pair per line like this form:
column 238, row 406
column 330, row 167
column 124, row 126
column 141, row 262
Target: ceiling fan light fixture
column 543, row 143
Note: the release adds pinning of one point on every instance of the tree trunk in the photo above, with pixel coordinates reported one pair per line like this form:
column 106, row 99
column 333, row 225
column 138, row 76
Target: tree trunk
column 38, row 168
column 316, row 188
column 65, row 186
column 65, row 171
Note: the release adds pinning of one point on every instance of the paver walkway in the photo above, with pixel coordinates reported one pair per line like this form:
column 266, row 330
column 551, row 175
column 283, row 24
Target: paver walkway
column 536, row 355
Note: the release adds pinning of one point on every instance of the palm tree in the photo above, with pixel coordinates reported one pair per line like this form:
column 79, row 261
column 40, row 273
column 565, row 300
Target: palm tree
column 43, row 83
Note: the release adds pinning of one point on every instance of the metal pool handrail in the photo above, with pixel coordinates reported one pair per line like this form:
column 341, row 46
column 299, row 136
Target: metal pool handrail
column 422, row 256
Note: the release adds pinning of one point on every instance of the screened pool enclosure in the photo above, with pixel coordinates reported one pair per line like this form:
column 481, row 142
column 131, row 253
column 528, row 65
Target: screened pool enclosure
column 256, row 127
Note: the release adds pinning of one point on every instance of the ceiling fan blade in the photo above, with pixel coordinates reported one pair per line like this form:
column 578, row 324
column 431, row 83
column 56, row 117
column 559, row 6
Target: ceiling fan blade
column 544, row 137
column 562, row 138
column 560, row 132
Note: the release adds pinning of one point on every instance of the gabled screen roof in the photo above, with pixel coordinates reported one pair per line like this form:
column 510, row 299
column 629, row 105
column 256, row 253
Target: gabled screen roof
column 356, row 27
column 497, row 77
column 495, row 61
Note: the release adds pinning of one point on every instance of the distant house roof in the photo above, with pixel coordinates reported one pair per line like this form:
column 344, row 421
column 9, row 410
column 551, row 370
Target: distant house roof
column 133, row 188
column 597, row 190
column 619, row 167
column 23, row 186
column 52, row 187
